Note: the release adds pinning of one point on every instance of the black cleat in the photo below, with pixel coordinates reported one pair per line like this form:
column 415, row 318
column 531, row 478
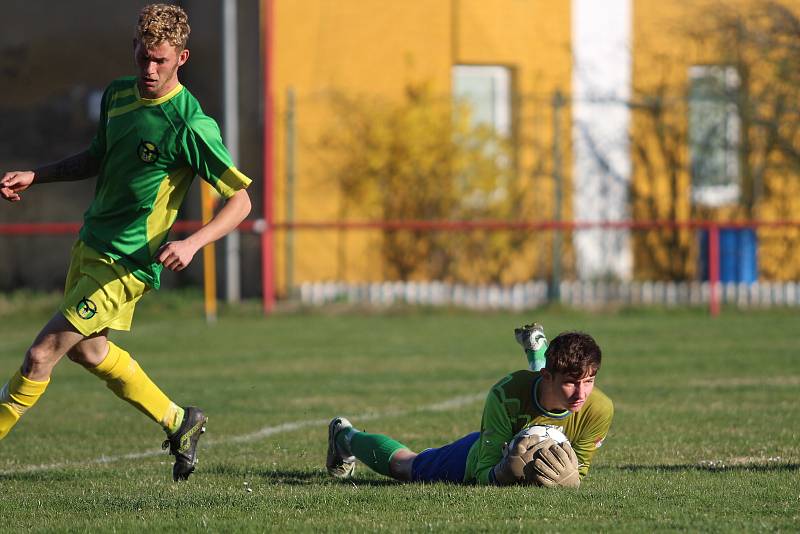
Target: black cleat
column 183, row 443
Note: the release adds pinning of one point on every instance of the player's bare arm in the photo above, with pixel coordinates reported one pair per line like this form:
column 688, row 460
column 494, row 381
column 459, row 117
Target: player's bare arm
column 77, row 167
column 176, row 255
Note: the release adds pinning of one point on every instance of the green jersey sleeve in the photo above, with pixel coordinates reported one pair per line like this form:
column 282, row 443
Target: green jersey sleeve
column 496, row 430
column 209, row 158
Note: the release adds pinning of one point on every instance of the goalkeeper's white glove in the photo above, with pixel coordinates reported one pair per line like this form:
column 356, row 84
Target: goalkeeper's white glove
column 554, row 466
column 511, row 469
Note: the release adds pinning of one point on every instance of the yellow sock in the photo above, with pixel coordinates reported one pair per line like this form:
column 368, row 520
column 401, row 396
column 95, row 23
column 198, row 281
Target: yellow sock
column 129, row 382
column 16, row 397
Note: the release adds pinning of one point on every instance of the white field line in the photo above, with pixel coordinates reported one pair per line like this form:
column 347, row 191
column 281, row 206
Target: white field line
column 267, row 431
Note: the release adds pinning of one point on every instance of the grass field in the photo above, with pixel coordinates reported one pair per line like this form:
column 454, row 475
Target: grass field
column 705, row 436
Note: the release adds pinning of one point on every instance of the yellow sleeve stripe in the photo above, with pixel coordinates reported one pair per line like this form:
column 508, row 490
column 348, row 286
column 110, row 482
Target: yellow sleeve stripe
column 119, row 95
column 232, row 180
column 124, row 109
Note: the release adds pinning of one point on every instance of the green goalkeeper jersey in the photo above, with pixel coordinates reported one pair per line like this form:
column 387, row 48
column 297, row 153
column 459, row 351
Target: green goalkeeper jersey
column 512, row 406
column 150, row 151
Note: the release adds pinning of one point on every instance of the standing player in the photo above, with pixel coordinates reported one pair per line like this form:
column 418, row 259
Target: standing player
column 561, row 394
column 152, row 139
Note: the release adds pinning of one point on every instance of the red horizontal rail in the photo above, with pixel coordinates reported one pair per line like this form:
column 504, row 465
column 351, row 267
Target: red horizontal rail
column 523, row 225
column 72, row 228
column 257, row 226
column 39, row 228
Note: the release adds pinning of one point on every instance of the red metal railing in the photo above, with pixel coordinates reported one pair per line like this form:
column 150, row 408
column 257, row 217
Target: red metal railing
column 260, row 227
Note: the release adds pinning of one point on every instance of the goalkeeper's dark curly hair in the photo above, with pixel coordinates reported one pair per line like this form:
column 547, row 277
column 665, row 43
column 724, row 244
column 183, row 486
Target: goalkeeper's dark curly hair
column 574, row 354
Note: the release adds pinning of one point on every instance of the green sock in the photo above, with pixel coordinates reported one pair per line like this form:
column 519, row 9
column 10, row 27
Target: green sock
column 536, row 358
column 375, row 450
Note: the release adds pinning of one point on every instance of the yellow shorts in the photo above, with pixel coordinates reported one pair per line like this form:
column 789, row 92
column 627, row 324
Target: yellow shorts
column 99, row 293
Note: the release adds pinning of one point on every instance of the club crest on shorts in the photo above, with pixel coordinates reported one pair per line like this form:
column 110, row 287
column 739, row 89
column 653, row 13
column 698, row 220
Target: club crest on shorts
column 86, row 309
column 148, row 151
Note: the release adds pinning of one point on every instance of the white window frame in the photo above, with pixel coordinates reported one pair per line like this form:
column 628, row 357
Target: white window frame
column 498, row 79
column 727, row 188
column 486, row 89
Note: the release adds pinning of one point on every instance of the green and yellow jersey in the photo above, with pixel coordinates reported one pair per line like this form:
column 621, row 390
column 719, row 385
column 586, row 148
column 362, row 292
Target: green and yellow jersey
column 150, row 151
column 512, row 406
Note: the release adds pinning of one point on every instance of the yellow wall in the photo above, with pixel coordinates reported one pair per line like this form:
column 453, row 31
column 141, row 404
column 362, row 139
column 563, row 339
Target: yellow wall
column 532, row 38
column 664, row 49
column 375, row 49
column 662, row 54
column 361, row 48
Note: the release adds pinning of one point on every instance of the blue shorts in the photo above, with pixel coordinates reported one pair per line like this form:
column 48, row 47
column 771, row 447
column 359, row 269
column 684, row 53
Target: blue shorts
column 444, row 464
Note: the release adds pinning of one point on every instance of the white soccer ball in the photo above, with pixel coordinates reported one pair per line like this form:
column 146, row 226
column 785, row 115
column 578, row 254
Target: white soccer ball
column 543, row 432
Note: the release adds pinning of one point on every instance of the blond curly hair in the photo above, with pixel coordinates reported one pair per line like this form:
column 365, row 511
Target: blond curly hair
column 159, row 23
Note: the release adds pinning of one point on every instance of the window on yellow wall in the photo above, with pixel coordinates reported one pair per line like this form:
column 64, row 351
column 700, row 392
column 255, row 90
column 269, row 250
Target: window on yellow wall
column 487, row 91
column 714, row 134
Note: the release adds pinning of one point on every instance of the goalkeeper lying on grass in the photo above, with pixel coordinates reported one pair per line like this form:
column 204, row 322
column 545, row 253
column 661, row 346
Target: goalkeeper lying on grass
column 558, row 390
